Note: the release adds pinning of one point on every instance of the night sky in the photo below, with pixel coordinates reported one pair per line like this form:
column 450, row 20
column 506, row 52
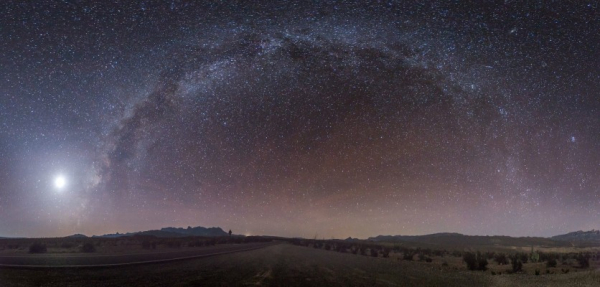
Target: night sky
column 328, row 120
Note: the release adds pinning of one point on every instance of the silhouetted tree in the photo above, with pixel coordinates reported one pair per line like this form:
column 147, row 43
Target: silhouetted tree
column 229, row 232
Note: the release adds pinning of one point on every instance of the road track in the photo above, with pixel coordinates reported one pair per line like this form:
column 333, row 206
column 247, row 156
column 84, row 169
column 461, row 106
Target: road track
column 46, row 261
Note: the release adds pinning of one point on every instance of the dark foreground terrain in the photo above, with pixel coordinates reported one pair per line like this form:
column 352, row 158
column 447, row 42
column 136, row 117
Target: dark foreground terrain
column 94, row 260
column 289, row 265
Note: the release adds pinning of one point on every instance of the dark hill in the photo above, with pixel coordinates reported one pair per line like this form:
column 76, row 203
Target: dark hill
column 174, row 232
column 592, row 235
column 76, row 236
column 460, row 240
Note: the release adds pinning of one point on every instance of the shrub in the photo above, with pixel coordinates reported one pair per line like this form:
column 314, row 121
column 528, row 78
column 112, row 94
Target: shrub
column 445, row 264
column 537, row 272
column 386, row 253
column 374, row 252
column 501, row 259
column 523, row 257
column 482, row 263
column 428, row 260
column 551, row 262
column 37, row 248
column 327, row 246
column 146, row 244
column 517, row 265
column 88, row 248
column 584, row 260
column 408, row 255
column 471, row 260
column 475, row 261
column 177, row 244
column 67, row 245
column 493, row 273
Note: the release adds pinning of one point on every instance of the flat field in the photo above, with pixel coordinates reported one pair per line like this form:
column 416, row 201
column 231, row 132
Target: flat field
column 289, row 265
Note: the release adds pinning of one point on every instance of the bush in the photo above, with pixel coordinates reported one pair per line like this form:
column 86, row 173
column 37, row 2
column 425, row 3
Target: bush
column 471, row 260
column 475, row 261
column 177, row 244
column 551, row 262
column 428, row 260
column 67, row 245
column 146, row 244
column 482, row 263
column 88, row 248
column 584, row 260
column 374, row 252
column 537, row 272
column 501, row 259
column 517, row 265
column 408, row 255
column 386, row 253
column 523, row 257
column 37, row 248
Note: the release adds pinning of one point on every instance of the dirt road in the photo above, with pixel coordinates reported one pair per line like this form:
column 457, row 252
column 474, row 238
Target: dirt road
column 97, row 260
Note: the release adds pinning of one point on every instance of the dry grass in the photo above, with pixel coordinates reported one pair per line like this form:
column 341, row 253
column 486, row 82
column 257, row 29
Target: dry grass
column 289, row 265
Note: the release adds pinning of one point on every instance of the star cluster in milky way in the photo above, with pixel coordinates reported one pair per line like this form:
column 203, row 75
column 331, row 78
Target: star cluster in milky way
column 336, row 119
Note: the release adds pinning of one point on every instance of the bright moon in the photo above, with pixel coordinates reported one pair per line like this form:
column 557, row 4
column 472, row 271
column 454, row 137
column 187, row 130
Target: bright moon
column 60, row 182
